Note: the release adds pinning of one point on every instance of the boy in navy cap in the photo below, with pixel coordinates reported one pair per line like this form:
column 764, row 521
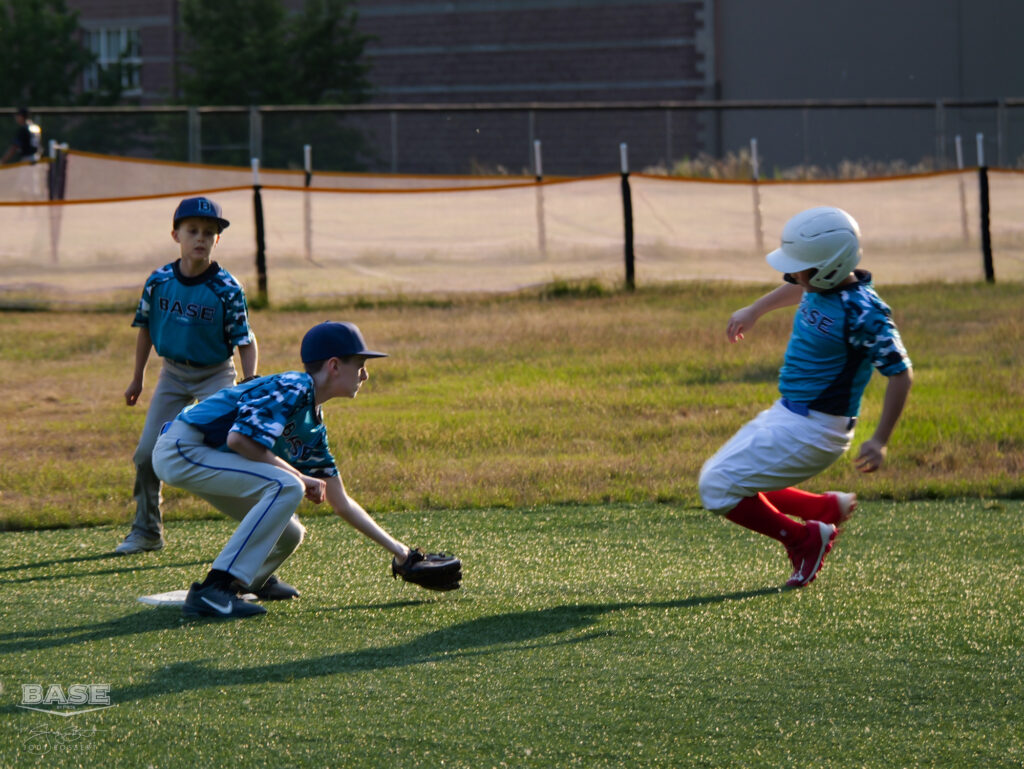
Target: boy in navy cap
column 254, row 451
column 193, row 312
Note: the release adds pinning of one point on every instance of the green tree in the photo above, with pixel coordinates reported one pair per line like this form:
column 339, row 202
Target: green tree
column 251, row 52
column 327, row 51
column 235, row 52
column 42, row 58
column 241, row 52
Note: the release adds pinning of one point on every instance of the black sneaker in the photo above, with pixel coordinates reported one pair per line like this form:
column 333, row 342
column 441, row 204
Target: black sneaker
column 275, row 589
column 216, row 602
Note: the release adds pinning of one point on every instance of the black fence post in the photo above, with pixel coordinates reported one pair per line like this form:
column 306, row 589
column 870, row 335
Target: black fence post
column 56, row 174
column 986, row 232
column 261, row 245
column 56, row 182
column 627, row 210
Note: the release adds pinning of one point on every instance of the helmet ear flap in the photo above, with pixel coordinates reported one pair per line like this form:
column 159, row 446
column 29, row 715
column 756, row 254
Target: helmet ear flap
column 829, row 276
column 841, row 263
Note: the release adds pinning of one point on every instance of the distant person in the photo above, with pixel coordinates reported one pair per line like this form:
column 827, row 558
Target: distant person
column 193, row 312
column 842, row 329
column 28, row 139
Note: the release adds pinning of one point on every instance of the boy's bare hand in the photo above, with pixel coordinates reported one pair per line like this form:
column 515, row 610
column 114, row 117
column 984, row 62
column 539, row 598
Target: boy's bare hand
column 131, row 395
column 315, row 489
column 740, row 321
column 871, row 456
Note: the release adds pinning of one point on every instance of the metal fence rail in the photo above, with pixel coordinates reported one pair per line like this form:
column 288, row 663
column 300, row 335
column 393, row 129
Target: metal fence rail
column 498, row 137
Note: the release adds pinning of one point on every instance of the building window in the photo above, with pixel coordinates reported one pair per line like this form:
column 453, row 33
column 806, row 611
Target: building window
column 116, row 46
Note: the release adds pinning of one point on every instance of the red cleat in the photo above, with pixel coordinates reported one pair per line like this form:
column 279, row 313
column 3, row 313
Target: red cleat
column 808, row 556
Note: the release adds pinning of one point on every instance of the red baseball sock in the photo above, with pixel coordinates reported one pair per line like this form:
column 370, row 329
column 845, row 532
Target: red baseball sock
column 758, row 514
column 804, row 504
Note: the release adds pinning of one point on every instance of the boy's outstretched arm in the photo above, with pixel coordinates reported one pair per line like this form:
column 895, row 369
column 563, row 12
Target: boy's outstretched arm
column 354, row 514
column 744, row 319
column 872, row 451
column 143, row 344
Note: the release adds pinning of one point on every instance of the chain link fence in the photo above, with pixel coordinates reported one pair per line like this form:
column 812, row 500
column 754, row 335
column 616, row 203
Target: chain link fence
column 578, row 138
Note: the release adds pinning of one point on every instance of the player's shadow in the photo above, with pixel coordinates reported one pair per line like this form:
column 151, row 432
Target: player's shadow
column 140, row 622
column 55, row 561
column 122, row 568
column 494, row 634
column 68, row 635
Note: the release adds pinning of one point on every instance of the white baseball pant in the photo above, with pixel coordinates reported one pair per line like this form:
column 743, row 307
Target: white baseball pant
column 261, row 496
column 774, row 450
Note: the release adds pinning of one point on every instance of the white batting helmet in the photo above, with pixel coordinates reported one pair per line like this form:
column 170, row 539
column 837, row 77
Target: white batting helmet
column 825, row 238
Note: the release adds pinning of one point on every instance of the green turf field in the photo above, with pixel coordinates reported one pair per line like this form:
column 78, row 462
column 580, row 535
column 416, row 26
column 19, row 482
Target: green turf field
column 590, row 636
column 553, row 441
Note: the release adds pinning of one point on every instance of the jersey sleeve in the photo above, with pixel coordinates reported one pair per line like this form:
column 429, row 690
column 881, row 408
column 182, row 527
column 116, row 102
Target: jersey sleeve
column 264, row 412
column 145, row 301
column 142, row 311
column 875, row 334
column 236, row 311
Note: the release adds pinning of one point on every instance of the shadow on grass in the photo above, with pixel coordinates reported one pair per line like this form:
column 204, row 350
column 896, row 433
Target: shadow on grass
column 75, row 575
column 372, row 606
column 495, row 634
column 55, row 561
column 69, row 635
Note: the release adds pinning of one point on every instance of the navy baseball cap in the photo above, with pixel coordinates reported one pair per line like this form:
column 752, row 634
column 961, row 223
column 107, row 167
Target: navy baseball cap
column 204, row 208
column 335, row 339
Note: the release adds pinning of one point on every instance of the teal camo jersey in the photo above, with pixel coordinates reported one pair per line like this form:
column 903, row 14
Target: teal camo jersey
column 195, row 320
column 277, row 411
column 838, row 336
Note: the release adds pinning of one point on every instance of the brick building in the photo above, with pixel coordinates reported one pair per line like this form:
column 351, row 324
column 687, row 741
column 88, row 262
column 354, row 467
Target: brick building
column 146, row 32
column 491, row 51
column 539, row 52
column 473, row 50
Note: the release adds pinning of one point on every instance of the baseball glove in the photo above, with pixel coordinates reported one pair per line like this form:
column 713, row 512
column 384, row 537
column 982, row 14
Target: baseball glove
column 434, row 571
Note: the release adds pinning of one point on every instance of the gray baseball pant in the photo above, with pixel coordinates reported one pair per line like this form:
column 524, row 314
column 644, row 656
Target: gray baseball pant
column 261, row 496
column 178, row 386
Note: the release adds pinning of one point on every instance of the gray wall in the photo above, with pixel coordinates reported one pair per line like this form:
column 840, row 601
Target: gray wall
column 850, row 49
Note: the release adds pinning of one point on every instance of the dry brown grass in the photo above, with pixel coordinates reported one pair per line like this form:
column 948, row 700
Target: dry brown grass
column 527, row 400
column 738, row 165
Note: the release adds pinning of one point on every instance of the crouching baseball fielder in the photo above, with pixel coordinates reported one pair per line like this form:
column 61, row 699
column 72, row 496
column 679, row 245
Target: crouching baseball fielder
column 254, row 451
column 841, row 330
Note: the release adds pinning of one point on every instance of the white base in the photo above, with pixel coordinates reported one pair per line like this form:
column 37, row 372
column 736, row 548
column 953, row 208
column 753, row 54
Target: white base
column 177, row 598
